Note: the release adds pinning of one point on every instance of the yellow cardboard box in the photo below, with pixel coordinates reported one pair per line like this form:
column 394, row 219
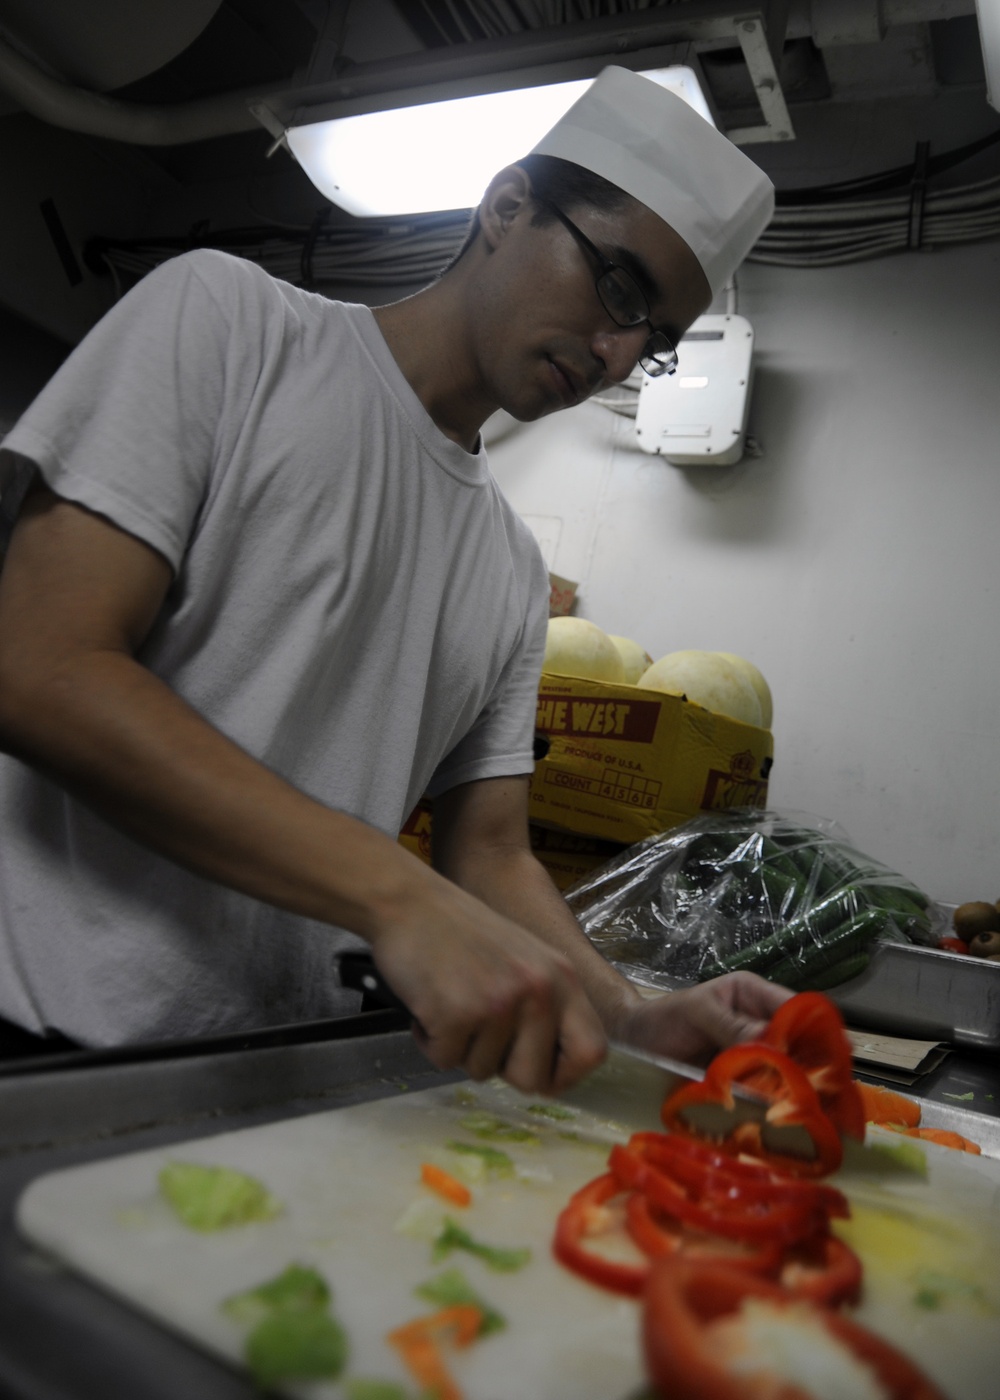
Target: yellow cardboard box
column 566, row 856
column 624, row 763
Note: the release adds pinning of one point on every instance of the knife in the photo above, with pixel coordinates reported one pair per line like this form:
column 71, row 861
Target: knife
column 358, row 971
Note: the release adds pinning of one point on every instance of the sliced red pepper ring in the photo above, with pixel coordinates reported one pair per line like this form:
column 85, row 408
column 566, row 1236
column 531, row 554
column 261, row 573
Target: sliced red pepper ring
column 754, row 1221
column 720, row 1176
column 685, row 1302
column 658, row 1235
column 824, row 1270
column 794, row 1101
column 810, row 1030
column 573, row 1226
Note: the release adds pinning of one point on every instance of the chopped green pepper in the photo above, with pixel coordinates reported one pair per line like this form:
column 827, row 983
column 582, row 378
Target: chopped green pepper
column 453, row 1287
column 503, row 1260
column 308, row 1345
column 298, row 1289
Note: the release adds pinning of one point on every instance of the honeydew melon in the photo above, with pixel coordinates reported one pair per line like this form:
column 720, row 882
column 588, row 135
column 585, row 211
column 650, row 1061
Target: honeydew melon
column 576, row 647
column 707, row 679
column 634, row 658
column 758, row 682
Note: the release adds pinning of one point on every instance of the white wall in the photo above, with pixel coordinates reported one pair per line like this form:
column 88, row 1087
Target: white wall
column 857, row 562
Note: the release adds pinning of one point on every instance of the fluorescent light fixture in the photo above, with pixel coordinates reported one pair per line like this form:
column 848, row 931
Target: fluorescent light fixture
column 988, row 15
column 441, row 155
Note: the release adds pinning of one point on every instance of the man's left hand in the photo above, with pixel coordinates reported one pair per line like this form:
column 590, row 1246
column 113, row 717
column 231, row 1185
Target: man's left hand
column 695, row 1023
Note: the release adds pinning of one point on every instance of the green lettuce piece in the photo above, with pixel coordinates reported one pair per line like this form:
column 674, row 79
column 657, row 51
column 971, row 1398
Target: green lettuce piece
column 298, row 1289
column 497, row 1163
column 488, row 1125
column 215, row 1198
column 454, row 1237
column 296, row 1345
column 360, row 1388
column 453, row 1287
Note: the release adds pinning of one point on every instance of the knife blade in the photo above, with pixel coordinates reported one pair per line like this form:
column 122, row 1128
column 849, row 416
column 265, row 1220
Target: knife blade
column 357, row 970
column 715, row 1119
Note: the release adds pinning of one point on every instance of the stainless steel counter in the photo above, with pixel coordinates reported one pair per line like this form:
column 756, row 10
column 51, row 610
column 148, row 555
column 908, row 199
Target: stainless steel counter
column 61, row 1338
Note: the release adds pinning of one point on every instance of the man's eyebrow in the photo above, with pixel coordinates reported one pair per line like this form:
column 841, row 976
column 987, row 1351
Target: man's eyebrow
column 638, row 268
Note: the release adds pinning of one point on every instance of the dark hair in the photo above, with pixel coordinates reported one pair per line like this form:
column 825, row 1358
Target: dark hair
column 562, row 183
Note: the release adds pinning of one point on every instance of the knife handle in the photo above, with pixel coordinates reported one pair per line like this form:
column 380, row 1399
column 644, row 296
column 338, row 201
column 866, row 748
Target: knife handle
column 358, row 971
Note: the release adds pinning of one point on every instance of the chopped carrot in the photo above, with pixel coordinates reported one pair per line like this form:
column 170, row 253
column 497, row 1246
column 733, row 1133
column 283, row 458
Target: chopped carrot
column 886, row 1107
column 419, row 1345
column 445, row 1184
column 944, row 1137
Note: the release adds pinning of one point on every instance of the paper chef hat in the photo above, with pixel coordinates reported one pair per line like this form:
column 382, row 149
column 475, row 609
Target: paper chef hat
column 654, row 146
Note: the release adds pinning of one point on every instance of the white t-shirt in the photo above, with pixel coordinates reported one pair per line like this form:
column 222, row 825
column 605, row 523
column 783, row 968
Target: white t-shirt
column 354, row 603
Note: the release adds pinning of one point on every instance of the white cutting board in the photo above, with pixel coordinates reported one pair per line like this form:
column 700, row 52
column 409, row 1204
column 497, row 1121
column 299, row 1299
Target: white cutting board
column 345, row 1177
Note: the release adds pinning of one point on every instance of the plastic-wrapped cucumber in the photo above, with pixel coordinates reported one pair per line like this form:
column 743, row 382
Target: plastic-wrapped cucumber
column 747, row 889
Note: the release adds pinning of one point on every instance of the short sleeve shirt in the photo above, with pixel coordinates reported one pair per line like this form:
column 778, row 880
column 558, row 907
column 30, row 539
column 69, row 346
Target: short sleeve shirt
column 353, row 602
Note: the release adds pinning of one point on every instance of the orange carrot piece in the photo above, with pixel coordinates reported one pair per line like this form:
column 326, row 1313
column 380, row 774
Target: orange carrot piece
column 445, row 1184
column 419, row 1345
column 886, row 1107
column 944, row 1137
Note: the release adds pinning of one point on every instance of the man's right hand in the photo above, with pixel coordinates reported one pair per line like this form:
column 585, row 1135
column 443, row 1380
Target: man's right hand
column 488, row 996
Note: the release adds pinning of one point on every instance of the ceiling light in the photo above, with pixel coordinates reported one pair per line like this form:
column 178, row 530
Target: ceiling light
column 441, row 155
column 988, row 15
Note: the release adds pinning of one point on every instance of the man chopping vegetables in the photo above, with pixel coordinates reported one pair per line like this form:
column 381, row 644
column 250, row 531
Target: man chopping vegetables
column 262, row 594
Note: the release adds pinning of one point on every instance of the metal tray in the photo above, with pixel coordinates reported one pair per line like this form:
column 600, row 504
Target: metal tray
column 926, row 994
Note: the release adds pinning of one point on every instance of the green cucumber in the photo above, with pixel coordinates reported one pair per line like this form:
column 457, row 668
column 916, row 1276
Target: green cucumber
column 851, row 937
column 801, row 933
column 842, row 971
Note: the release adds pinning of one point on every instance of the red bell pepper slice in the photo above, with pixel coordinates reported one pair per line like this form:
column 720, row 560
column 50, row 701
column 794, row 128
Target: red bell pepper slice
column 810, row 1030
column 793, row 1101
column 685, row 1353
column 576, row 1221
column 785, row 1221
column 717, row 1175
column 825, row 1270
column 658, row 1235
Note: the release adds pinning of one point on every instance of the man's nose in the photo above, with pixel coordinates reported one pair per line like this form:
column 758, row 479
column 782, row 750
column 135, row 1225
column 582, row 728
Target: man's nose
column 619, row 350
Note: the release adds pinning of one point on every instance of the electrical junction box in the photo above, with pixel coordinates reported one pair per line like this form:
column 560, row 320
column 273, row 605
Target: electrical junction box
column 698, row 415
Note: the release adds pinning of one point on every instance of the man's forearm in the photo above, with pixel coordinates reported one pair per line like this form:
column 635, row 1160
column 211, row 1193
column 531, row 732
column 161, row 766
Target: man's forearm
column 126, row 745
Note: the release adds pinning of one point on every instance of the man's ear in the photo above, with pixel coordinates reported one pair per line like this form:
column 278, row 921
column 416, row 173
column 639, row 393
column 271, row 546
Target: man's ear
column 507, row 196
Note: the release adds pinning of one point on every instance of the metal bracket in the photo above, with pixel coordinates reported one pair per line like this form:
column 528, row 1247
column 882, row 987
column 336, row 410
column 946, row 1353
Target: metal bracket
column 757, row 50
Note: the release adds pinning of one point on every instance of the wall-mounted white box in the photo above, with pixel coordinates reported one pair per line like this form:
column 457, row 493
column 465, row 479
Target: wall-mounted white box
column 698, row 416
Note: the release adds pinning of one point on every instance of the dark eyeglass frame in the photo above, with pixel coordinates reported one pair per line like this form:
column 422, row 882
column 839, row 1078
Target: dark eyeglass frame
column 617, row 289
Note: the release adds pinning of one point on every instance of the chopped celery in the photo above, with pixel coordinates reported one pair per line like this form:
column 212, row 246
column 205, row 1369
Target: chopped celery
column 488, row 1125
column 552, row 1110
column 497, row 1163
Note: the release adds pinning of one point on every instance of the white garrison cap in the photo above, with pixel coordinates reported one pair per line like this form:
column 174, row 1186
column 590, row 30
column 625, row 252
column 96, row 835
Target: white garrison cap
column 654, row 146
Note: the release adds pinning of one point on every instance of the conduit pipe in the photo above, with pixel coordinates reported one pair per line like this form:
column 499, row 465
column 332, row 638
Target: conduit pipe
column 94, row 114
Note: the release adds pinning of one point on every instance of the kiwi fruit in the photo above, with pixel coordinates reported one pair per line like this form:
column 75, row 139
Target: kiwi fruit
column 976, row 917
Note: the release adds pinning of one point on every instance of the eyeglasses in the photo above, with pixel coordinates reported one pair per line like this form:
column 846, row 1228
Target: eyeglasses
column 623, row 300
